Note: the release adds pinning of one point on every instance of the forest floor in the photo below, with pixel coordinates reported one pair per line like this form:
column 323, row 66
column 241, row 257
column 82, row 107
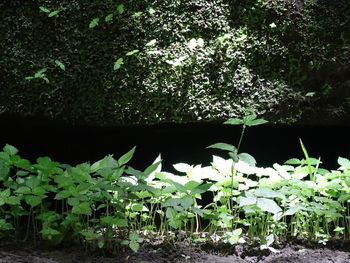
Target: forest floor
column 294, row 252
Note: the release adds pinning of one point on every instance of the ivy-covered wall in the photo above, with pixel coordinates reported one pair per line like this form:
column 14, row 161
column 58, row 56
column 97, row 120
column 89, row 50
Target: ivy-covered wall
column 111, row 63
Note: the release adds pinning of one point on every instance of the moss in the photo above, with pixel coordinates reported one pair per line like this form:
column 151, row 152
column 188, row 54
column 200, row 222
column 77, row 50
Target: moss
column 257, row 55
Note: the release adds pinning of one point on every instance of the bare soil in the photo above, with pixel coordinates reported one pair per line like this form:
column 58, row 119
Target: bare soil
column 296, row 251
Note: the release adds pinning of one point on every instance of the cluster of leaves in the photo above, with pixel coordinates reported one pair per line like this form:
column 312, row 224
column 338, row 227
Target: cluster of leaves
column 109, row 204
column 181, row 60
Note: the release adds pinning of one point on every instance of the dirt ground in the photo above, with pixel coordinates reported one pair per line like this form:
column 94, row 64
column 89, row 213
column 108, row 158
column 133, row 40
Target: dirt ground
column 294, row 252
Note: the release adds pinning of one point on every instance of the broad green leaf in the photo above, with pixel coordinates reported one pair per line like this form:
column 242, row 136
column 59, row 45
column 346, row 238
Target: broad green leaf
column 191, row 185
column 344, row 162
column 54, row 13
column 234, row 121
column 82, row 209
column 171, row 202
column 32, row 200
column 137, row 207
column 24, row 190
column 48, row 233
column 5, row 226
column 247, row 158
column 223, row 146
column 201, row 189
column 248, row 118
column 244, row 201
column 133, row 236
column 130, row 53
column 88, row 234
column 178, row 186
column 134, row 245
column 13, row 200
column 126, row 157
column 293, row 210
column 151, row 43
column 44, row 9
column 60, row 64
column 268, row 205
column 121, row 222
column 109, row 18
column 256, row 122
column 268, row 193
column 94, row 22
column 118, row 63
column 293, row 161
column 153, row 167
column 121, row 8
column 10, row 149
column 198, row 211
column 170, row 212
column 186, row 202
column 32, row 182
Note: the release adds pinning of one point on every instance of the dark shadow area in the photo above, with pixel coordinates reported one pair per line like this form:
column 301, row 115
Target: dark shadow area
column 177, row 143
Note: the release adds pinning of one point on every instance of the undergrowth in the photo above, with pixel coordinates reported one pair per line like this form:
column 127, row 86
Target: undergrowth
column 109, row 204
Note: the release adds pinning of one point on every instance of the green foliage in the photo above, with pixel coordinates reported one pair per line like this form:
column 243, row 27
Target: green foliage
column 195, row 60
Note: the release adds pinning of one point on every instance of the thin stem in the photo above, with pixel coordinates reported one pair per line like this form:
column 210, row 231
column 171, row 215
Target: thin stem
column 241, row 138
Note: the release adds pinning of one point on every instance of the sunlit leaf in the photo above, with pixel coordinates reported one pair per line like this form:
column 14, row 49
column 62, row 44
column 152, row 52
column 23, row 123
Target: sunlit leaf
column 344, row 162
column 118, row 63
column 268, row 205
column 32, row 200
column 121, row 8
column 130, row 53
column 44, row 9
column 94, row 22
column 247, row 158
column 293, row 161
column 54, row 13
column 234, row 121
column 60, row 64
column 109, row 18
column 293, row 210
column 151, row 43
column 137, row 14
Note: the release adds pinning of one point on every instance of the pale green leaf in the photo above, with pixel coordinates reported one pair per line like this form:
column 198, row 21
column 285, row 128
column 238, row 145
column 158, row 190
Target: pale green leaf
column 60, row 64
column 121, row 8
column 94, row 22
column 137, row 14
column 54, row 13
column 247, row 158
column 133, row 52
column 344, row 162
column 151, row 43
column 44, row 9
column 109, row 18
column 268, row 205
column 223, row 146
column 234, row 121
column 118, row 63
column 10, row 150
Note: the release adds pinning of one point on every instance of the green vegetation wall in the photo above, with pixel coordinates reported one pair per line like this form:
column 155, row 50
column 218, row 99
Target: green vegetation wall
column 150, row 61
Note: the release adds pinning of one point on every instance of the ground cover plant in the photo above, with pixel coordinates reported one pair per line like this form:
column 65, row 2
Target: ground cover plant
column 109, row 205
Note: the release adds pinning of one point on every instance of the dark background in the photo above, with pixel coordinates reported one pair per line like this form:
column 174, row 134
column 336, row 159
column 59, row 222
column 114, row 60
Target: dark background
column 177, row 143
